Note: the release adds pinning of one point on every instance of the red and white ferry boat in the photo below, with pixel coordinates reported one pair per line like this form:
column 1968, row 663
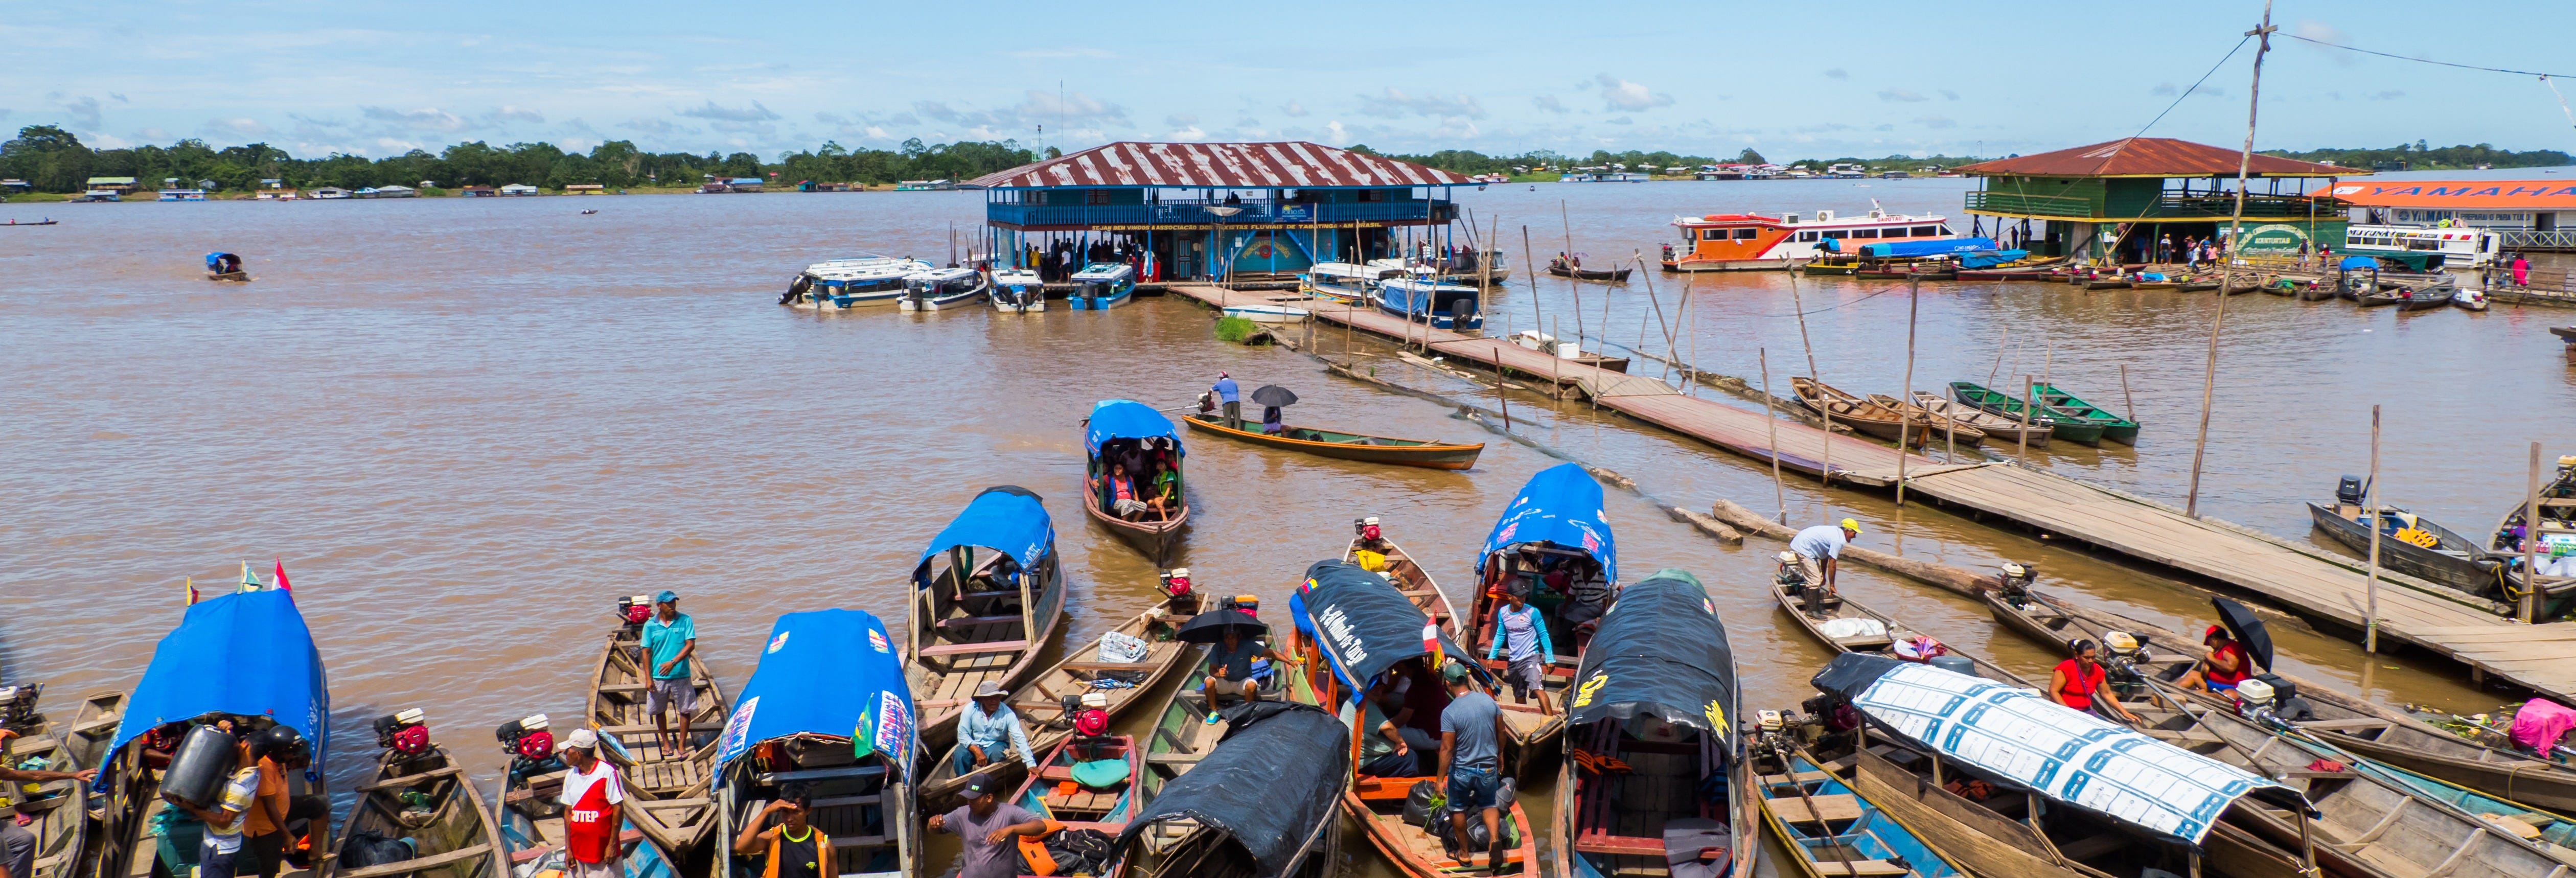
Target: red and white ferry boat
column 1753, row 242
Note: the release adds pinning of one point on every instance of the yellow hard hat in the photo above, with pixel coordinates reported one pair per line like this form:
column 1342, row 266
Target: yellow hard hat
column 1851, row 525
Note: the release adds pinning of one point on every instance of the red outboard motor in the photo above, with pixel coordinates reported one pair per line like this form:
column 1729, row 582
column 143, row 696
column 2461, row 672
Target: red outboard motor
column 1178, row 595
column 634, row 611
column 404, row 732
column 527, row 738
column 1366, row 528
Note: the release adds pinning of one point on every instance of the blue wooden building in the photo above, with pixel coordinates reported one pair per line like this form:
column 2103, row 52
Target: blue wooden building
column 1203, row 210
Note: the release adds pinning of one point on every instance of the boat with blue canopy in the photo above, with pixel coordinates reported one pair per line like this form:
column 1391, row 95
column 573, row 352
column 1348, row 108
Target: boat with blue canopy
column 1554, row 543
column 1357, row 636
column 1101, row 286
column 1659, row 695
column 828, row 714
column 181, row 690
column 1146, row 505
column 988, row 594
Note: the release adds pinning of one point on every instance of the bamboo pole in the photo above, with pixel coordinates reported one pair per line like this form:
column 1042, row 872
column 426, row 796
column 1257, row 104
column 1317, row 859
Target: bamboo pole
column 1671, row 352
column 2129, row 403
column 2370, row 519
column 2000, row 343
column 2529, row 605
column 2227, row 272
column 1904, row 421
column 1537, row 323
column 1771, row 424
column 1797, row 306
column 1498, row 389
column 2026, row 419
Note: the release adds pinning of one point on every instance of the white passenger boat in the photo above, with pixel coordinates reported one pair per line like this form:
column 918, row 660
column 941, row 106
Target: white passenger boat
column 1342, row 281
column 1444, row 306
column 1104, row 285
column 1268, row 313
column 942, row 289
column 1018, row 291
column 841, row 284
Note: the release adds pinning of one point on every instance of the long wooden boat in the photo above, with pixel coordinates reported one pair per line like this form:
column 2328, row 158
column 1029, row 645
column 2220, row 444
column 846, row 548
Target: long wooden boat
column 1560, row 269
column 2452, row 559
column 2366, row 728
column 1830, row 831
column 1851, row 410
column 2557, row 508
column 1883, row 274
column 2068, row 407
column 1155, row 538
column 427, row 801
column 2005, row 431
column 2010, row 407
column 528, row 820
column 1410, row 578
column 1378, row 638
column 988, row 595
column 1118, row 429
column 2106, row 283
column 668, row 793
column 56, row 810
column 1877, row 633
column 1040, row 703
column 1350, row 446
column 1198, row 822
column 1687, row 770
column 1934, row 425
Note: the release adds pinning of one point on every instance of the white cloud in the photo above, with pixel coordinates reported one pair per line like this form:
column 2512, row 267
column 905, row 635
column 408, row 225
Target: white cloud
column 1395, row 104
column 424, row 119
column 518, row 114
column 1899, row 95
column 1293, row 109
column 1334, row 133
column 1188, row 134
column 876, row 133
column 1620, row 94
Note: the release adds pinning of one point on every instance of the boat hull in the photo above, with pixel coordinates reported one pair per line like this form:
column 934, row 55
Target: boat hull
column 2466, row 574
column 1099, row 303
column 1428, row 455
column 1609, row 275
column 651, row 774
column 1036, row 704
column 1270, row 314
column 1156, row 539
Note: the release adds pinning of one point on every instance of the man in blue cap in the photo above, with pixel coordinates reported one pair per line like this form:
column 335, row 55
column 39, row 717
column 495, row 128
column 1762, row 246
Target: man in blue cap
column 1232, row 397
column 670, row 638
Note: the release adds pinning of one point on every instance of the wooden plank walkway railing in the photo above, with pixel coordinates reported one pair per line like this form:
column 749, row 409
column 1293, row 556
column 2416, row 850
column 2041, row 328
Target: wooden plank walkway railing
column 2538, row 657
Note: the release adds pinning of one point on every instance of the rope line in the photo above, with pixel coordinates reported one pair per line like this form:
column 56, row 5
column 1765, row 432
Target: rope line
column 2427, row 60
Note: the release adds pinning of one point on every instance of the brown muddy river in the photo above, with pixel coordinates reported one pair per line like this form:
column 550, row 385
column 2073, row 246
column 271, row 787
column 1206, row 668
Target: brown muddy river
column 467, row 425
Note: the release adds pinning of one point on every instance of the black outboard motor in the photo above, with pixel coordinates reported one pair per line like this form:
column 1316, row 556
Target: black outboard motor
column 2351, row 490
column 18, row 707
column 2013, row 584
column 796, row 289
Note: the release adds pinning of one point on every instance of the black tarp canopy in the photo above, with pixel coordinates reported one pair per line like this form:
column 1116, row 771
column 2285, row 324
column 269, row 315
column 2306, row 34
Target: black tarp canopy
column 1270, row 782
column 1660, row 652
column 1362, row 623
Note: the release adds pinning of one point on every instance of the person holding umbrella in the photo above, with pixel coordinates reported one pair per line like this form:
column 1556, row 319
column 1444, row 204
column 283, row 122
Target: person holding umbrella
column 1233, row 643
column 1273, row 399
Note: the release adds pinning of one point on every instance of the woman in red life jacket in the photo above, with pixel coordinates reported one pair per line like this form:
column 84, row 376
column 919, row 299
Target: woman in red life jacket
column 2082, row 684
column 592, row 821
column 2225, row 667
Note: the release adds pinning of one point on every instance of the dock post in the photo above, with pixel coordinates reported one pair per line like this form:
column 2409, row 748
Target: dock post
column 1905, row 420
column 1499, row 396
column 2370, row 519
column 2529, row 605
column 2028, row 419
column 1771, row 424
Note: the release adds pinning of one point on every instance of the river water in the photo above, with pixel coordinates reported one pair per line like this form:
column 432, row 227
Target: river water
column 468, row 425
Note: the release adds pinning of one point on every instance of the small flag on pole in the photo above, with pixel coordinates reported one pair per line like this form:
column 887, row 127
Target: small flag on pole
column 281, row 577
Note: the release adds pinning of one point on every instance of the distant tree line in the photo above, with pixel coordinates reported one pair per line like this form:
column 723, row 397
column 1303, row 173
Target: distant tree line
column 54, row 160
column 2422, row 157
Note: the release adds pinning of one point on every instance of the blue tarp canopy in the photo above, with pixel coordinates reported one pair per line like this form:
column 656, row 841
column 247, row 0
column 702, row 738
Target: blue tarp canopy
column 1127, row 419
column 245, row 654
column 1991, row 258
column 1560, row 505
column 831, row 673
column 2352, row 262
column 1943, row 247
column 1005, row 518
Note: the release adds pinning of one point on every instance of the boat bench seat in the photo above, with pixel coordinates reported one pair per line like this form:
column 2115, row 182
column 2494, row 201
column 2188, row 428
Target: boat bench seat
column 974, row 648
column 972, row 621
column 1594, row 841
column 1836, row 806
column 1862, row 868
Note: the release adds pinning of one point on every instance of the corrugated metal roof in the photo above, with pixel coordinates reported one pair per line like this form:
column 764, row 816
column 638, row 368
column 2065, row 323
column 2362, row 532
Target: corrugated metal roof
column 2150, row 157
column 1284, row 164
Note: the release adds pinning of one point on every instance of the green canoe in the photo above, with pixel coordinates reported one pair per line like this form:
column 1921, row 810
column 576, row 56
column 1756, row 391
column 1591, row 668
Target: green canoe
column 2069, row 407
column 1971, row 394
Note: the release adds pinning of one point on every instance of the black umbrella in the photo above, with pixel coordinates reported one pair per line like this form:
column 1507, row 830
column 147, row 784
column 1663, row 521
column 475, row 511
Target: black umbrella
column 1211, row 626
column 2247, row 629
column 1272, row 394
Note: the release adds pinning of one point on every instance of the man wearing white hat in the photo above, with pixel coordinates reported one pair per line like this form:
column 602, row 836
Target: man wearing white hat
column 592, row 821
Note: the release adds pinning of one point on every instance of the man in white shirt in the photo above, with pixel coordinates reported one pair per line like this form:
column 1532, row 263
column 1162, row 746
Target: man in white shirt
column 1820, row 550
column 592, row 819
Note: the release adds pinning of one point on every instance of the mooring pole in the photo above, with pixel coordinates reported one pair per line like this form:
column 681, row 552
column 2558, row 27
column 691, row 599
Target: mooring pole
column 2370, row 519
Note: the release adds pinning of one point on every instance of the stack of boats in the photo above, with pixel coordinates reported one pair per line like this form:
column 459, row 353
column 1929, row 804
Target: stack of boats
column 1974, row 416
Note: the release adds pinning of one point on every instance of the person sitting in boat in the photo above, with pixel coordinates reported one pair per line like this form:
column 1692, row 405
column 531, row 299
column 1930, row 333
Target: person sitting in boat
column 2224, row 667
column 1273, row 420
column 1389, row 745
column 1230, row 671
column 986, row 728
column 2083, row 684
column 1120, row 490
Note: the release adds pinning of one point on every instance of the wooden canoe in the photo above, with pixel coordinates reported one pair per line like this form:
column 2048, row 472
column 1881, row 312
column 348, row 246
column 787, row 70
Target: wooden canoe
column 1944, row 274
column 1838, row 606
column 529, row 825
column 1938, row 427
column 2009, row 407
column 962, row 638
column 429, row 801
column 2066, row 406
column 2005, row 431
column 2453, row 559
column 1414, row 582
column 1830, row 831
column 57, row 808
column 1615, row 823
column 2106, row 284
column 1853, row 411
column 1156, row 539
column 1107, row 808
column 232, row 276
column 1600, row 274
column 1350, row 446
column 668, row 794
column 863, row 802
column 1040, row 704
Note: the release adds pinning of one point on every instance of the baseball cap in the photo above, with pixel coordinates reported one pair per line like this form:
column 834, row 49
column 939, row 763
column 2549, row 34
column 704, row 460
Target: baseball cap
column 978, row 788
column 1453, row 671
column 666, row 596
column 582, row 738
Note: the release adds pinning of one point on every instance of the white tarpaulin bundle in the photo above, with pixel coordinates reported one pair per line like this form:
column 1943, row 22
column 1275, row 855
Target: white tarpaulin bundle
column 2064, row 754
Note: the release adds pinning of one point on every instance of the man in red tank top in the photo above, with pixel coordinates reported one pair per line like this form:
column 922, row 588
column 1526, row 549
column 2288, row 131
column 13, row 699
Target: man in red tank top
column 592, row 821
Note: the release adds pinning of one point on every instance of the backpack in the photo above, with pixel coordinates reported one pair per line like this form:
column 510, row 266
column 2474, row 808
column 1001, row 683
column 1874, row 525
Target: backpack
column 1067, row 852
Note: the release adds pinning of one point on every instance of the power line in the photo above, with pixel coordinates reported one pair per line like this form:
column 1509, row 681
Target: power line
column 2429, row 60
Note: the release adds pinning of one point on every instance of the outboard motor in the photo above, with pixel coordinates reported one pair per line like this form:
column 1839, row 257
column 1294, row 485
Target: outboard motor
column 18, row 706
column 2013, row 584
column 2272, row 701
column 1178, row 595
column 404, row 732
column 796, row 289
column 2123, row 657
column 634, row 611
column 531, row 746
column 1366, row 528
column 2351, row 490
column 1792, row 576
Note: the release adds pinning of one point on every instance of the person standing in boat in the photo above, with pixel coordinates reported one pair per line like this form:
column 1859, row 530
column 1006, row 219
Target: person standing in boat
column 1471, row 729
column 670, row 638
column 793, row 848
column 985, row 827
column 1520, row 627
column 591, row 795
column 1820, row 551
column 1231, row 398
column 2081, row 683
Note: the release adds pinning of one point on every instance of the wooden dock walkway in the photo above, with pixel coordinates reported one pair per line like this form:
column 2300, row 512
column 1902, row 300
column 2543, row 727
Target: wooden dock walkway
column 2305, row 579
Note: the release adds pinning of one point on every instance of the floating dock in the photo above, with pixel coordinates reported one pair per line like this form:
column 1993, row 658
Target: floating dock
column 2303, row 579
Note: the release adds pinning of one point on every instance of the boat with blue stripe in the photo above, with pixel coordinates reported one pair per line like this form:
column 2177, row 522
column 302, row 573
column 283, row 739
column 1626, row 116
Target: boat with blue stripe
column 1418, row 298
column 856, row 282
column 1830, row 831
column 1017, row 291
column 1103, row 285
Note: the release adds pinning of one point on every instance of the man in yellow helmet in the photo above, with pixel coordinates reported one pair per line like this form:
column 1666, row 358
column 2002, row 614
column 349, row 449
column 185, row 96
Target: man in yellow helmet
column 1820, row 550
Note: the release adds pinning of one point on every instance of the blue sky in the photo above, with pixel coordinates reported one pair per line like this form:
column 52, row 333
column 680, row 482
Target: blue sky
column 1792, row 80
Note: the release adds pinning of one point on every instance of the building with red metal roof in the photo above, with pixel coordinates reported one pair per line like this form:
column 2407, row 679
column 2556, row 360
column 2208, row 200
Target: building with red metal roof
column 2125, row 199
column 1207, row 209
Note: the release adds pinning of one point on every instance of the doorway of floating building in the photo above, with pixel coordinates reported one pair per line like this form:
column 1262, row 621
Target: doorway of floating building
column 1272, row 253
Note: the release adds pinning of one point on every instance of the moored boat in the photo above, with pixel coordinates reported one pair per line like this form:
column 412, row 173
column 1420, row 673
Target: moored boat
column 988, row 594
column 1321, row 442
column 423, row 803
column 2010, row 408
column 1017, row 291
column 2469, row 299
column 1086, row 782
column 1355, row 631
column 1553, row 544
column 1850, row 410
column 1407, row 575
column 1754, row 242
column 1147, row 510
column 1269, row 313
column 1421, row 299
column 1258, row 802
column 856, row 282
column 55, row 811
column 1848, row 626
column 2067, row 407
column 1342, row 281
column 529, row 818
column 2553, row 574
column 942, row 288
column 827, row 711
column 1563, row 268
column 1831, row 831
column 1935, row 426
column 2409, row 543
column 2004, row 430
column 666, row 789
column 1101, row 286
column 1110, row 675
column 1668, row 707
